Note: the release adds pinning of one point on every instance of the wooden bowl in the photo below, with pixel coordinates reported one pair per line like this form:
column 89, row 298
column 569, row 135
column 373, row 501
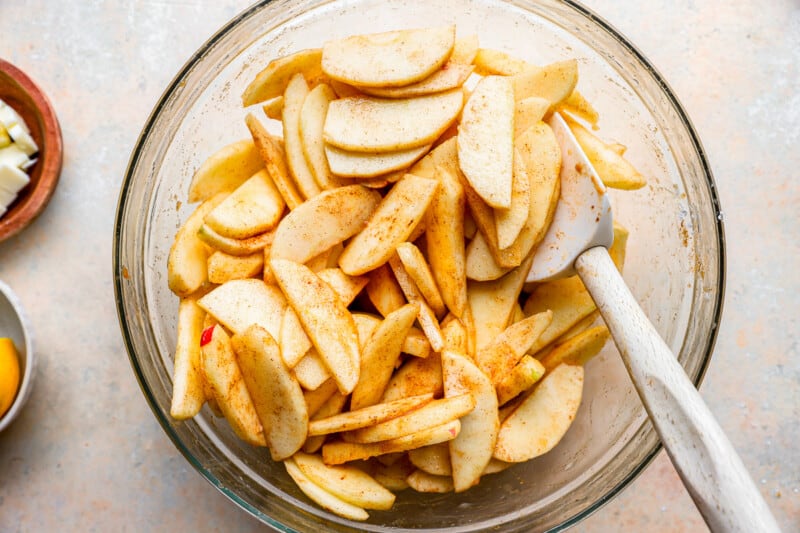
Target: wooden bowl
column 27, row 99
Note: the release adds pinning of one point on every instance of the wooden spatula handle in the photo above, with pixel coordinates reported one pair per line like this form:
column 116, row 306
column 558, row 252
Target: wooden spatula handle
column 703, row 456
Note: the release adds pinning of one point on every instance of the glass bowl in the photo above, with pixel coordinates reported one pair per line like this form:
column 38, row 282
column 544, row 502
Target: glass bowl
column 675, row 264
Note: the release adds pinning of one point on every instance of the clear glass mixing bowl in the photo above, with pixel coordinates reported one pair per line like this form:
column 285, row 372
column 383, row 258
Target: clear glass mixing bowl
column 675, row 264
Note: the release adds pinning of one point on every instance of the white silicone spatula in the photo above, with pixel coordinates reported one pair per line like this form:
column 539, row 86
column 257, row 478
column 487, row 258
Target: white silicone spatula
column 577, row 242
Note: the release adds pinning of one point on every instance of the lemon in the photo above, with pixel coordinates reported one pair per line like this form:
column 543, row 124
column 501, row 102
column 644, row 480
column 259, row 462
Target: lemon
column 9, row 374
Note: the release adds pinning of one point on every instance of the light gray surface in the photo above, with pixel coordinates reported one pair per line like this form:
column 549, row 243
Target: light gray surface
column 87, row 454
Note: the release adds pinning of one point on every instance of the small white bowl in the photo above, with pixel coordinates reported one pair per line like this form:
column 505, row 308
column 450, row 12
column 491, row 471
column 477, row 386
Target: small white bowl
column 13, row 324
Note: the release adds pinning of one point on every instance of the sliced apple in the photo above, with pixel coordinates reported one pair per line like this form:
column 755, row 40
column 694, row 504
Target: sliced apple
column 577, row 105
column 553, row 82
column 312, row 122
column 228, row 389
column 231, row 246
column 318, row 397
column 432, row 414
column 427, row 318
column 511, row 221
column 465, row 49
column 486, row 140
column 366, row 416
column 433, row 459
column 332, row 407
column 322, row 497
column 543, row 417
column 489, row 62
column 541, row 157
column 529, row 111
column 579, row 349
column 618, row 247
column 444, row 236
column 480, row 263
column 322, row 222
column 187, row 268
column 276, row 395
column 492, row 302
column 615, row 171
column 241, row 303
column 383, row 290
column 273, row 108
column 311, row 371
column 450, row 76
column 273, row 157
column 499, row 356
column 272, row 81
column 325, row 319
column 225, row 170
column 472, row 450
column 422, row 481
column 417, row 268
column 342, row 452
column 254, row 207
column 350, row 164
column 224, row 267
column 293, row 99
column 187, row 379
column 367, row 124
column 392, row 59
column 380, row 354
column 346, row 482
column 415, row 377
column 392, row 223
column 521, row 378
column 569, row 301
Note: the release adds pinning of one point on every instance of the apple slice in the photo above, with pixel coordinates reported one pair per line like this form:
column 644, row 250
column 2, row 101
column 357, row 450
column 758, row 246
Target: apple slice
column 273, row 108
column 416, row 266
column 492, row 302
column 422, row 481
column 240, row 247
column 444, row 236
column 392, row 223
column 465, row 49
column 325, row 499
column 224, row 267
column 541, row 157
column 322, row 222
column 427, row 318
column 275, row 393
column 433, row 459
column 415, row 377
column 254, row 207
column 293, row 99
column 472, row 450
column 499, row 356
column 543, row 417
column 367, row 124
column 380, row 354
column 339, row 452
column 488, row 62
column 579, row 349
column 450, row 76
column 325, row 319
column 521, row 378
column 187, row 380
column 312, row 122
column 366, row 416
column 273, row 157
column 346, row 482
column 272, row 81
column 187, row 268
column 228, row 389
column 553, row 82
column 311, row 370
column 225, row 170
column 366, row 165
column 383, row 290
column 393, row 58
column 529, row 111
column 511, row 221
column 569, row 301
column 480, row 263
column 486, row 140
column 241, row 303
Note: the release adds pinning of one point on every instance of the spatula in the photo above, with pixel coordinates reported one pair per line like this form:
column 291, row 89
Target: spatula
column 577, row 242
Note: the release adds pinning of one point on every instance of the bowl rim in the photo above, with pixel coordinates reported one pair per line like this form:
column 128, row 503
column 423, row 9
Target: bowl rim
column 120, row 275
column 51, row 155
column 26, row 383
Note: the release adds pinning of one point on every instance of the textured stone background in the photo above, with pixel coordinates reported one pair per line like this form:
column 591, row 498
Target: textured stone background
column 88, row 455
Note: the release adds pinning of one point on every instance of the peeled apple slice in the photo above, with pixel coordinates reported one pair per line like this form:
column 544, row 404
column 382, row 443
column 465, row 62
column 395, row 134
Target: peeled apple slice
column 389, row 59
column 366, row 124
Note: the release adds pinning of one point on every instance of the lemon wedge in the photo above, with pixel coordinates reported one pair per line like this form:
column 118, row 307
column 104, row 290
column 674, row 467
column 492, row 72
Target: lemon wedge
column 9, row 374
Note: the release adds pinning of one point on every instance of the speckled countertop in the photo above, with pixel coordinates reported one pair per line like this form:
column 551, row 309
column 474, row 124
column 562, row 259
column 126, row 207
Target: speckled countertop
column 87, row 454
